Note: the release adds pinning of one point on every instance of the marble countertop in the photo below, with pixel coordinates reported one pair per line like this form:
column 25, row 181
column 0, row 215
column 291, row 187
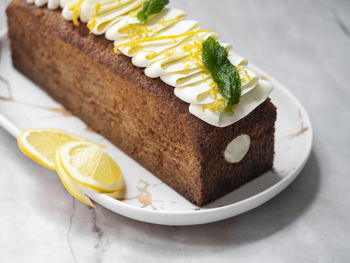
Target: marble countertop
column 305, row 45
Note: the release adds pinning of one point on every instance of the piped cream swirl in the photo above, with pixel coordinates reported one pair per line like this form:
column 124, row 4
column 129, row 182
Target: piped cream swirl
column 169, row 47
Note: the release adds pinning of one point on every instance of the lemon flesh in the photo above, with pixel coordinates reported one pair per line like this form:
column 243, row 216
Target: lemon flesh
column 41, row 144
column 88, row 165
column 71, row 186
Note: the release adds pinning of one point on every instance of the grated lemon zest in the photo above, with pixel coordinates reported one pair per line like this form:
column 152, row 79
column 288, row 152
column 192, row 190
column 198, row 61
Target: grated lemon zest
column 245, row 72
column 150, row 39
column 76, row 11
column 137, row 31
column 204, row 77
column 93, row 19
column 213, row 92
column 218, row 105
column 195, row 53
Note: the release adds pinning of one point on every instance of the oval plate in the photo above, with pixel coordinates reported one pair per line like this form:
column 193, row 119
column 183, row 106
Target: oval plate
column 23, row 105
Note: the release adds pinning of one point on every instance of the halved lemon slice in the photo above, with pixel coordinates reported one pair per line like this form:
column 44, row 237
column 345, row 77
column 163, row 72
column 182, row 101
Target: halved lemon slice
column 72, row 187
column 41, row 144
column 87, row 164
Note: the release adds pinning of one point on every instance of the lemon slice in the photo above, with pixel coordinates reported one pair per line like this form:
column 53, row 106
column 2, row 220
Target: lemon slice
column 72, row 187
column 41, row 144
column 88, row 165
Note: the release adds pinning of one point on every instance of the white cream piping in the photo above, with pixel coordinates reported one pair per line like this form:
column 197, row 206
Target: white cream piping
column 176, row 60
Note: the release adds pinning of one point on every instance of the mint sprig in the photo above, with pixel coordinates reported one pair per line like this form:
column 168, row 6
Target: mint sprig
column 215, row 59
column 150, row 8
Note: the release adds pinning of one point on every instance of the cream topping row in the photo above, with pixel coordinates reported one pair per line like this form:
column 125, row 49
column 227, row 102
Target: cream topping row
column 169, row 47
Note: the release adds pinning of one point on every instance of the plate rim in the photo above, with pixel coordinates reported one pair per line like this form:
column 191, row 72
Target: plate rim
column 245, row 205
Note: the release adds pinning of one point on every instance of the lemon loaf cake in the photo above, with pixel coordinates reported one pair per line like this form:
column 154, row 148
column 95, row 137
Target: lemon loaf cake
column 167, row 93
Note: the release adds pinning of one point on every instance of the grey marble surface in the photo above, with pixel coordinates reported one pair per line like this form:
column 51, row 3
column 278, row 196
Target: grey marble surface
column 305, row 45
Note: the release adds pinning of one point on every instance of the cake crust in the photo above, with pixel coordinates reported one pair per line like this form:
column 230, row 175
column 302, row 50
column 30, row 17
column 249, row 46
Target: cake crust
column 140, row 115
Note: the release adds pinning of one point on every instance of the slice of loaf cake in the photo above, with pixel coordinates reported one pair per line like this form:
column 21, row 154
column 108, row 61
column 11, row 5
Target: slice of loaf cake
column 139, row 114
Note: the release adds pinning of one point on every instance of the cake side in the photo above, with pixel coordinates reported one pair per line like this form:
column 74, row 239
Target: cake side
column 218, row 175
column 127, row 110
column 138, row 114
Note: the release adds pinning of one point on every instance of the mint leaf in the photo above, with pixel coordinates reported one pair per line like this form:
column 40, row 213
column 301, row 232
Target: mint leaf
column 150, row 8
column 215, row 59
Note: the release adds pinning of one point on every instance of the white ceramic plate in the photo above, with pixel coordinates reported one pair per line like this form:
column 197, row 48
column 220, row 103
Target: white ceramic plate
column 23, row 105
